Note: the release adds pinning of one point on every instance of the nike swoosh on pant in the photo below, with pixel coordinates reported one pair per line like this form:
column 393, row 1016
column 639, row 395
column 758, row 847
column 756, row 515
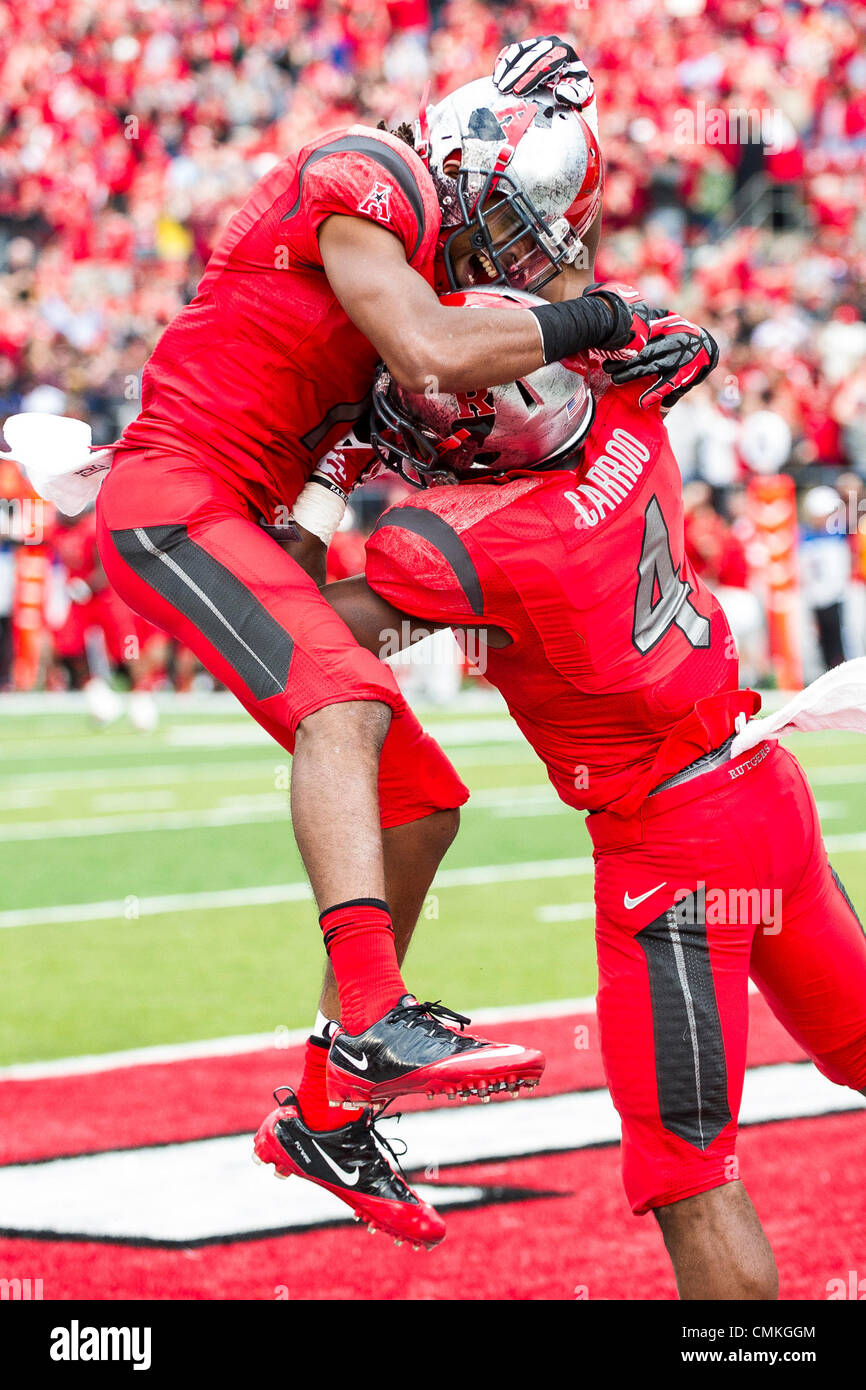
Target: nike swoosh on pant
column 629, row 903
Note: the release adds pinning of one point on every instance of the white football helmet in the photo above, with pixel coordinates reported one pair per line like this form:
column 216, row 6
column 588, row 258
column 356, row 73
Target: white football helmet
column 432, row 438
column 519, row 181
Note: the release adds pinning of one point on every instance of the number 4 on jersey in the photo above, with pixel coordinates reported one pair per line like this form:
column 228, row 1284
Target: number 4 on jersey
column 663, row 599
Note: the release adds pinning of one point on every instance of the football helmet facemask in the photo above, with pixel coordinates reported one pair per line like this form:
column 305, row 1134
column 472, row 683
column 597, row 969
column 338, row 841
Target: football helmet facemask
column 519, row 182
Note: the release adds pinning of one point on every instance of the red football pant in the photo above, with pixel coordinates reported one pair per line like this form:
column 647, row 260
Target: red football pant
column 185, row 550
column 723, row 877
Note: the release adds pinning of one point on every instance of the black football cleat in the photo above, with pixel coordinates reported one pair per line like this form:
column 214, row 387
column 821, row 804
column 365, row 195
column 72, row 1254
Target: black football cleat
column 353, row 1163
column 412, row 1051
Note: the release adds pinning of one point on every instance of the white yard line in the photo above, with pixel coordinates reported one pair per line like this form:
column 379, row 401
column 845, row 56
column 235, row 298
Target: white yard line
column 451, row 733
column 146, row 773
column 269, row 894
column 837, row 776
column 565, row 912
column 260, row 808
column 92, row 827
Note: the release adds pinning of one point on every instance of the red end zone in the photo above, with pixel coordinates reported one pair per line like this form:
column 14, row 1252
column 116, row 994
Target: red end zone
column 540, row 1225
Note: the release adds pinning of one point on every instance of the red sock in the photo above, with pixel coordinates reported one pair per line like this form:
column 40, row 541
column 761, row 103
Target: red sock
column 313, row 1093
column 359, row 939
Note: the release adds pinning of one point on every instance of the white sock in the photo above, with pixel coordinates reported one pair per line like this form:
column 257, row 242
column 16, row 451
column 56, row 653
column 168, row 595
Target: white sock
column 321, row 1026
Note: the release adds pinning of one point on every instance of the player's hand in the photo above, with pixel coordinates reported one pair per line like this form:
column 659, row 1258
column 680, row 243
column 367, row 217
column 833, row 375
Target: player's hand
column 678, row 356
column 634, row 318
column 549, row 62
column 343, row 466
column 78, row 591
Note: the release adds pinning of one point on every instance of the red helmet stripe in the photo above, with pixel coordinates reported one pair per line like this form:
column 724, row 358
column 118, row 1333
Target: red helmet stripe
column 515, row 122
column 581, row 212
column 423, row 150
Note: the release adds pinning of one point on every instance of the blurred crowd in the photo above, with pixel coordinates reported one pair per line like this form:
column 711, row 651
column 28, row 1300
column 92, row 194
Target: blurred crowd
column 734, row 136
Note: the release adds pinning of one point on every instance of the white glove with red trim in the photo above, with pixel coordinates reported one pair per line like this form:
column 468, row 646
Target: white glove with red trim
column 548, row 62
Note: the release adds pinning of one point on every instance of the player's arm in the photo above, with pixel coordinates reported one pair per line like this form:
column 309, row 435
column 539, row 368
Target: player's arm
column 385, row 630
column 309, row 552
column 372, row 620
column 430, row 346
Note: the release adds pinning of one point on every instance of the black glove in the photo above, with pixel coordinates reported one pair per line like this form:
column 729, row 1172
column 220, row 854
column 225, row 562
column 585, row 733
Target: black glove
column 678, row 355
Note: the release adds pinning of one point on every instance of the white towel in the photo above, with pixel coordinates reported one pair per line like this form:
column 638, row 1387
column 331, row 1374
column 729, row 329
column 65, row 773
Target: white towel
column 836, row 700
column 55, row 453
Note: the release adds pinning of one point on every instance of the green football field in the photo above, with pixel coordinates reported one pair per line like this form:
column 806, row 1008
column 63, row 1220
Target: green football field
column 152, row 891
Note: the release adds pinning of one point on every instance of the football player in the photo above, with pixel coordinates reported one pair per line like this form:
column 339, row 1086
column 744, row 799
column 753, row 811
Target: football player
column 562, row 549
column 327, row 268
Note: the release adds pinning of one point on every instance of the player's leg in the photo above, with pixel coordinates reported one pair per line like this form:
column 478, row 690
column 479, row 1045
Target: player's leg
column 218, row 583
column 412, row 855
column 811, row 966
column 809, row 960
column 231, row 594
column 306, row 1125
column 717, row 1246
column 673, row 1016
column 335, row 803
column 419, row 795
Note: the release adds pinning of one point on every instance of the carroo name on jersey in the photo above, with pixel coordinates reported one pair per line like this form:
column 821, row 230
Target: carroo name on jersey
column 610, row 478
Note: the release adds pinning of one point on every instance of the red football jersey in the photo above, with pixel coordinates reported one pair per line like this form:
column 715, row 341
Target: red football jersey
column 260, row 374
column 75, row 546
column 622, row 668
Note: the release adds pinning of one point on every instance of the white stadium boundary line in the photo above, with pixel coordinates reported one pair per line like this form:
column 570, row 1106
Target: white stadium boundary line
column 271, row 894
column 208, row 1189
column 256, row 1042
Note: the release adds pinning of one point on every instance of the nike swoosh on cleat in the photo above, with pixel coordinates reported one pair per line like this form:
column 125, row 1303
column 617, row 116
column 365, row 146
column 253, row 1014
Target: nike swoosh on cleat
column 629, row 903
column 360, row 1062
column 351, row 1179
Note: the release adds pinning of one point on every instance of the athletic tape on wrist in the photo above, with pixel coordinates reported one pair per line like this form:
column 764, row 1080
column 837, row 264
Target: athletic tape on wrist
column 320, row 508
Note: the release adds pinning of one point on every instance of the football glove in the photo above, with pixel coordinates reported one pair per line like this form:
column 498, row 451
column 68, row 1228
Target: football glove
column 678, row 355
column 549, row 62
column 342, row 467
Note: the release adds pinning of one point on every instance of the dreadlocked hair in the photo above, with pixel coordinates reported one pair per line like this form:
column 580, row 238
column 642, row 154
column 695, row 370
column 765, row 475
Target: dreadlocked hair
column 403, row 132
